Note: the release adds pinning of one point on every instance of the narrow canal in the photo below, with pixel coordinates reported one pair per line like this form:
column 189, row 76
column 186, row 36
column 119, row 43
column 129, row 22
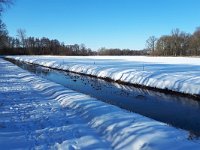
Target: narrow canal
column 178, row 111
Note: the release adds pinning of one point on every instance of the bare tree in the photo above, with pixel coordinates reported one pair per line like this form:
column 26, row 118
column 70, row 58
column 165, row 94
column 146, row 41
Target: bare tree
column 151, row 43
column 3, row 30
column 21, row 33
column 4, row 3
column 195, row 42
column 3, row 34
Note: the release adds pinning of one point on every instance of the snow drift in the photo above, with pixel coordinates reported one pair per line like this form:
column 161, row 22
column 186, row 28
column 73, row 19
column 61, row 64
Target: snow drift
column 180, row 74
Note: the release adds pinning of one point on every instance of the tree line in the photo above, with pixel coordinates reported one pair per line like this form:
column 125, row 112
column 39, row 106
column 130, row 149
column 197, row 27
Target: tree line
column 178, row 43
column 117, row 51
column 23, row 45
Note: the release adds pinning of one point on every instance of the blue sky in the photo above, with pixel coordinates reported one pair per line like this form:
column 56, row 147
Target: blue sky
column 102, row 23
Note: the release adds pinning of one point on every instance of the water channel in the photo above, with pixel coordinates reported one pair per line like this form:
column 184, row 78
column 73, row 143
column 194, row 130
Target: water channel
column 176, row 110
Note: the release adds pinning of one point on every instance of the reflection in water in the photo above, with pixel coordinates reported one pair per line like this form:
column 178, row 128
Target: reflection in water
column 172, row 109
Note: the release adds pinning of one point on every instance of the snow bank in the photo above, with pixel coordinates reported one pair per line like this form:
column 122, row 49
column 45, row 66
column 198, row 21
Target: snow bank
column 180, row 74
column 33, row 119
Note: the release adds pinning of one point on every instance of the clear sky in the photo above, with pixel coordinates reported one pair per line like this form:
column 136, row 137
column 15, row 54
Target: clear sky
column 102, row 23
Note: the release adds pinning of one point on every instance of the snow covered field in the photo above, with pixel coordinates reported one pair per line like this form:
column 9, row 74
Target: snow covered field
column 181, row 74
column 36, row 113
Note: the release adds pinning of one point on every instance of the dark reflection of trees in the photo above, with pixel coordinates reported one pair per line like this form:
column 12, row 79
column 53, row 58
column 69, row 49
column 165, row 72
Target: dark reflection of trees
column 42, row 70
column 32, row 68
column 164, row 96
column 193, row 136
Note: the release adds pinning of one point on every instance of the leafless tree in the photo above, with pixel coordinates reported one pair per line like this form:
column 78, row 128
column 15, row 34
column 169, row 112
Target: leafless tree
column 3, row 34
column 21, row 34
column 4, row 3
column 151, row 43
column 195, row 42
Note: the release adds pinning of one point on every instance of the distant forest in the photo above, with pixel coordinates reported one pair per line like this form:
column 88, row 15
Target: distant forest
column 178, row 43
column 23, row 45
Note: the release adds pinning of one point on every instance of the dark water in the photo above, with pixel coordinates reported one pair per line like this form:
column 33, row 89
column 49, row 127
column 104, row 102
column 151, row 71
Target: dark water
column 178, row 111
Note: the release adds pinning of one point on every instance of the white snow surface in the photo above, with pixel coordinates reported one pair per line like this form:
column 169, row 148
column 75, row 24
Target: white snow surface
column 38, row 114
column 180, row 74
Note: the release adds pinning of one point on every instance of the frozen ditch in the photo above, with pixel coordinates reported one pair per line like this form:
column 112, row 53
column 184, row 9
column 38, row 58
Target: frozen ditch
column 178, row 111
column 179, row 74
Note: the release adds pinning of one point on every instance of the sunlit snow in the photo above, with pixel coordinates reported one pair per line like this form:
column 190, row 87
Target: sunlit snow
column 181, row 74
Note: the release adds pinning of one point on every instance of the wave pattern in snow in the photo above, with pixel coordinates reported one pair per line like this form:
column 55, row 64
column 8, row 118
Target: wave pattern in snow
column 180, row 74
column 31, row 118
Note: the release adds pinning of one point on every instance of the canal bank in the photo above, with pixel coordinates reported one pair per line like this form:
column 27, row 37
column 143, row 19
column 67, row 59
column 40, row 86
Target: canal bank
column 176, row 110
